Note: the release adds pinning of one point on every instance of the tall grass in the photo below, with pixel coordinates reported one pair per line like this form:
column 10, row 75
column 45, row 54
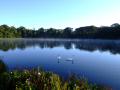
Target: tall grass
column 42, row 80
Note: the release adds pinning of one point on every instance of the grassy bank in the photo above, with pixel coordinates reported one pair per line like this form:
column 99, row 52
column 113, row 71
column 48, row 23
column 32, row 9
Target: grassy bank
column 41, row 80
column 34, row 80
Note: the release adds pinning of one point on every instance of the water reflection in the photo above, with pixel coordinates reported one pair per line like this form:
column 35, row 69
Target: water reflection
column 113, row 46
column 55, row 55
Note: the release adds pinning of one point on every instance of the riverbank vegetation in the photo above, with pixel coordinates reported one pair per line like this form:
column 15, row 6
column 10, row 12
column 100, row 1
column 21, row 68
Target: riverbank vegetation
column 103, row 32
column 41, row 80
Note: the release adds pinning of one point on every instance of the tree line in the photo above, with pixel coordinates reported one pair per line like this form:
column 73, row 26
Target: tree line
column 89, row 32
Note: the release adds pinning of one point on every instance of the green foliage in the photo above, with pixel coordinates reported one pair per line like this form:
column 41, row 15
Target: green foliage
column 112, row 32
column 42, row 80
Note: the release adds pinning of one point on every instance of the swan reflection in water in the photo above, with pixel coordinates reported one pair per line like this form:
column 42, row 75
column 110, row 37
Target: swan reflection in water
column 70, row 60
column 59, row 58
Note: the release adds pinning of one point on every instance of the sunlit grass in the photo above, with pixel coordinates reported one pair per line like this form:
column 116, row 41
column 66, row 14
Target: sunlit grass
column 42, row 80
column 34, row 80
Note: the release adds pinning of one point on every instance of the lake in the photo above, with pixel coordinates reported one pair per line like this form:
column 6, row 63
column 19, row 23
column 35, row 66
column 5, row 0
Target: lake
column 97, row 60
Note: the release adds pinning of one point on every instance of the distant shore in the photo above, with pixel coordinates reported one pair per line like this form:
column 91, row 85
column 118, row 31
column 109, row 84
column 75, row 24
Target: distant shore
column 61, row 39
column 86, row 32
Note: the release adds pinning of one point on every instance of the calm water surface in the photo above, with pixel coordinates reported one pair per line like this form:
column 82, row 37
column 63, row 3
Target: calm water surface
column 97, row 60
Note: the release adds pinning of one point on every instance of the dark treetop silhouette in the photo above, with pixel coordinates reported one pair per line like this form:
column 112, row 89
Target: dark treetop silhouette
column 104, row 32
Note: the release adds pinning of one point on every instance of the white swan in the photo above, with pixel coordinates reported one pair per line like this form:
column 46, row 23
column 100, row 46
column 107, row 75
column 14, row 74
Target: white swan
column 69, row 59
column 59, row 57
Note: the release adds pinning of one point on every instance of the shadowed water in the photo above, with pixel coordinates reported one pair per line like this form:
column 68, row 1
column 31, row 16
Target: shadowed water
column 98, row 60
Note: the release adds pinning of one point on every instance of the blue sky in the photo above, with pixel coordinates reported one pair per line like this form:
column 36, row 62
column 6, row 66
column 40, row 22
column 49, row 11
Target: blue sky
column 59, row 13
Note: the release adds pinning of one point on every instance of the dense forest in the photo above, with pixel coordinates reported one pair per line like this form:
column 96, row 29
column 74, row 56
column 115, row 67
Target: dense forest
column 104, row 32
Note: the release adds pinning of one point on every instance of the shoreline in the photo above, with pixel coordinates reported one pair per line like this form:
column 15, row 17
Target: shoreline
column 61, row 39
